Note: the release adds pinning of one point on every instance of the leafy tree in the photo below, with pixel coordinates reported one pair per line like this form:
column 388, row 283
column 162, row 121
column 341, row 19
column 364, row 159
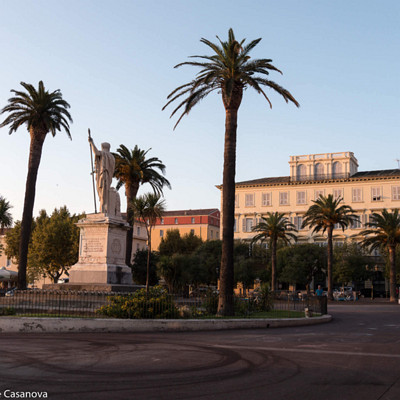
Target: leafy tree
column 55, row 244
column 245, row 272
column 148, row 208
column 384, row 232
column 299, row 263
column 133, row 169
column 229, row 71
column 350, row 264
column 174, row 271
column 12, row 241
column 275, row 226
column 209, row 256
column 174, row 243
column 139, row 267
column 323, row 215
column 42, row 112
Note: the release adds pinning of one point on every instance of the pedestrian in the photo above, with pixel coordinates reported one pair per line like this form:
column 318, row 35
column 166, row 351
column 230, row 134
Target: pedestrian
column 319, row 291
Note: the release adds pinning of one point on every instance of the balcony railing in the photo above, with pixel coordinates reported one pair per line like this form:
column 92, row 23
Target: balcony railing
column 319, row 177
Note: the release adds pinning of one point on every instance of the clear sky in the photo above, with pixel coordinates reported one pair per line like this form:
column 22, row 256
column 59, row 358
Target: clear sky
column 113, row 62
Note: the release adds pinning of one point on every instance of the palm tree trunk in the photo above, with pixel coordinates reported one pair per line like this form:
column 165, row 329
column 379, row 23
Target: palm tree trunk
column 131, row 192
column 35, row 154
column 392, row 260
column 225, row 302
column 148, row 261
column 273, row 265
column 330, row 262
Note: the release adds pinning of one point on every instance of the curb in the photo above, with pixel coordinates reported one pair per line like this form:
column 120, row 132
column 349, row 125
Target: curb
column 64, row 325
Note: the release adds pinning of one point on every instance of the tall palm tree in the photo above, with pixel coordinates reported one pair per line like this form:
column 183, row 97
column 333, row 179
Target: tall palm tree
column 229, row 70
column 42, row 112
column 273, row 227
column 323, row 215
column 133, row 169
column 5, row 215
column 384, row 232
column 148, row 208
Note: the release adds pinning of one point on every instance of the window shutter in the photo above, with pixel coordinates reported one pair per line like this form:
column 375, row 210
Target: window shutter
column 244, row 225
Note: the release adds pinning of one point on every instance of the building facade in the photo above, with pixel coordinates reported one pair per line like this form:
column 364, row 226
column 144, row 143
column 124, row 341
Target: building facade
column 311, row 176
column 204, row 223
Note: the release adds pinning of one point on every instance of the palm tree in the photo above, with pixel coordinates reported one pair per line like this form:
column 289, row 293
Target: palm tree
column 42, row 112
column 323, row 215
column 229, row 70
column 273, row 227
column 148, row 208
column 384, row 232
column 5, row 215
column 132, row 169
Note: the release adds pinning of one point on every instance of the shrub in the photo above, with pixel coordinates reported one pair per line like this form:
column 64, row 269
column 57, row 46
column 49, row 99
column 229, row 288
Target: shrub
column 7, row 311
column 156, row 304
column 210, row 303
column 264, row 298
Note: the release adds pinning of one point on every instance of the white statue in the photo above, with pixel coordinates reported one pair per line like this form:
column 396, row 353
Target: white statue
column 104, row 169
column 115, row 204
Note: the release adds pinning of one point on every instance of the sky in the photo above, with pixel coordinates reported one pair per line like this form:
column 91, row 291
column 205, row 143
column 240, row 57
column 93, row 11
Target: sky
column 114, row 63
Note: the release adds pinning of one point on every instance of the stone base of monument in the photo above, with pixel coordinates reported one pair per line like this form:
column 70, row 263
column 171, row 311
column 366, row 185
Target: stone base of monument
column 101, row 253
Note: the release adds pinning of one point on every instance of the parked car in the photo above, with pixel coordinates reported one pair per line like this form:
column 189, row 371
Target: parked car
column 10, row 292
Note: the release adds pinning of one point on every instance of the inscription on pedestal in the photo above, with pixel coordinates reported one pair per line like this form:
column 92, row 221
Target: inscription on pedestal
column 93, row 245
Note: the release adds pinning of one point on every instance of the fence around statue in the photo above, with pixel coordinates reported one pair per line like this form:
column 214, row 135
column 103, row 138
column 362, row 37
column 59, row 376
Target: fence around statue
column 83, row 304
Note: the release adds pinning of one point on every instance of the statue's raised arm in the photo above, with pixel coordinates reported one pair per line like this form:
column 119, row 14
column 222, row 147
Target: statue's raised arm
column 104, row 169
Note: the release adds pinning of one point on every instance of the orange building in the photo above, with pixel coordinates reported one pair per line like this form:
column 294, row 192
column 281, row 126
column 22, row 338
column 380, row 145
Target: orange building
column 204, row 223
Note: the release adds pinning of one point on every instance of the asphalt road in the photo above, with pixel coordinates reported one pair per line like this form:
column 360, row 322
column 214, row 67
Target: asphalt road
column 356, row 356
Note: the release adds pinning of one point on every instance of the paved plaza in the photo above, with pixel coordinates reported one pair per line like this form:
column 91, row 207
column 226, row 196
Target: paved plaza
column 356, row 356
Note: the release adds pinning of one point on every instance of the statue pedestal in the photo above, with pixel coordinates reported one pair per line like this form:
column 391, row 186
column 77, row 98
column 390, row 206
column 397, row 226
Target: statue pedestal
column 102, row 247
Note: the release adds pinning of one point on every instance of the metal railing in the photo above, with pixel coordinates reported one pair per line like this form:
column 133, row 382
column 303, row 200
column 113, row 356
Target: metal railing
column 319, row 177
column 48, row 303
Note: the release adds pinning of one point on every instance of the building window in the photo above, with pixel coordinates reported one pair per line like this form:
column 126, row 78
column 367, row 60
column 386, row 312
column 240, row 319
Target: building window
column 235, row 225
column 283, row 198
column 193, row 220
column 137, row 246
column 301, row 197
column 338, row 194
column 319, row 171
column 356, row 224
column 297, row 222
column 336, row 170
column 176, row 221
column 248, row 224
column 266, row 199
column 249, row 200
column 192, row 231
column 162, row 221
column 161, row 233
column 301, row 172
column 212, row 234
column 376, row 194
column 318, row 193
column 138, row 230
column 395, row 192
column 236, row 200
column 356, row 194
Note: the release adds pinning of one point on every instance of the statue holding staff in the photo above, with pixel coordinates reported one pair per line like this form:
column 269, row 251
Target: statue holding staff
column 104, row 169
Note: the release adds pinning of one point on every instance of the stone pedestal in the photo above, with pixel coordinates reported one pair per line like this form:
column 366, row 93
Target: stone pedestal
column 102, row 247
